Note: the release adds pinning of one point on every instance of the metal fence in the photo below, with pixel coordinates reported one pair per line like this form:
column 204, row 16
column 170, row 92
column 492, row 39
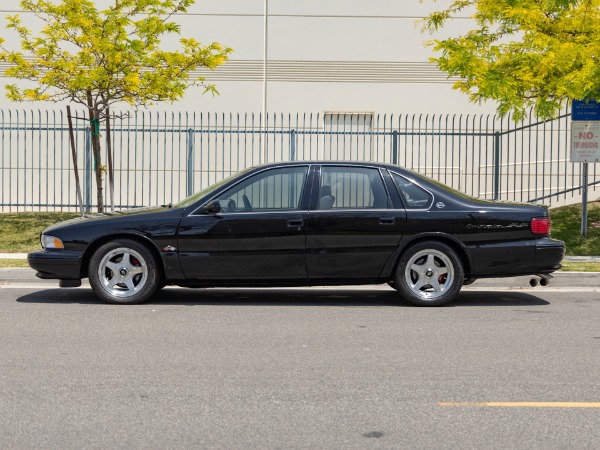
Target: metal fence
column 161, row 157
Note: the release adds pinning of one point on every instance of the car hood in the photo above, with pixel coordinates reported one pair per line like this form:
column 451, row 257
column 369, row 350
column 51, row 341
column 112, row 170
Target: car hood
column 150, row 212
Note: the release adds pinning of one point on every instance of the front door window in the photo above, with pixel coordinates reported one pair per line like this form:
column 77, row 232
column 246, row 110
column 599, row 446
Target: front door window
column 272, row 190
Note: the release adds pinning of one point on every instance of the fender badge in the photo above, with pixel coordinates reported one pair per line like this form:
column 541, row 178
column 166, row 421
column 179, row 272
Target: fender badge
column 440, row 205
column 168, row 248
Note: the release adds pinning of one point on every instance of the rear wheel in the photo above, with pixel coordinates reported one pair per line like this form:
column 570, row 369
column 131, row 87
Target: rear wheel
column 123, row 271
column 429, row 274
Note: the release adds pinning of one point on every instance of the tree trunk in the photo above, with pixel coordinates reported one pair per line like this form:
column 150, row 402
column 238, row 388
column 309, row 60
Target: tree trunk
column 94, row 115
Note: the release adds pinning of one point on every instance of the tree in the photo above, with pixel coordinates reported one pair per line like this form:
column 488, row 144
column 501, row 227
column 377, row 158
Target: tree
column 98, row 58
column 523, row 53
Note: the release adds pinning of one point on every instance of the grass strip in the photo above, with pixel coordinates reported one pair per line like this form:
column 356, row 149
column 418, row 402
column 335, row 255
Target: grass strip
column 20, row 232
column 566, row 226
column 13, row 263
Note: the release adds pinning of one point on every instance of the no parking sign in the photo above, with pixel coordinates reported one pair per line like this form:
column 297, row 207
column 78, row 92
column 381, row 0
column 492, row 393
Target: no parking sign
column 585, row 141
column 585, row 145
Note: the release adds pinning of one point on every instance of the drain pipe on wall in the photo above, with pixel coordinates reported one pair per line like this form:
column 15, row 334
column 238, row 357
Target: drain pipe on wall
column 265, row 76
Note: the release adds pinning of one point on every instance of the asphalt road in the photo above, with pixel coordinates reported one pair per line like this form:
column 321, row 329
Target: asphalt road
column 298, row 368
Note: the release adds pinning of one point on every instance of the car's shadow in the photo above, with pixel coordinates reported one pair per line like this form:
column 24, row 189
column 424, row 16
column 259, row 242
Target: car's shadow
column 290, row 296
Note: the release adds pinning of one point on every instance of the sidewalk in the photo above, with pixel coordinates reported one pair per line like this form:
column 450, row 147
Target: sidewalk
column 13, row 255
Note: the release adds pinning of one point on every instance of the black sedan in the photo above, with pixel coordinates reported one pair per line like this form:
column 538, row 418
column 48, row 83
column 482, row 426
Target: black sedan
column 305, row 223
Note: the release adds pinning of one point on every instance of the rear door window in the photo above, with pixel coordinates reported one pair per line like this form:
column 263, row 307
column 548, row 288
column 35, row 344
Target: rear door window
column 351, row 188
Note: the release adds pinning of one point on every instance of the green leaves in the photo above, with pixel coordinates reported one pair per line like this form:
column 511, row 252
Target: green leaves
column 99, row 58
column 523, row 53
column 114, row 53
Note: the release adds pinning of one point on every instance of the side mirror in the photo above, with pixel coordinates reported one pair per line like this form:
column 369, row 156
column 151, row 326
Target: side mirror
column 213, row 207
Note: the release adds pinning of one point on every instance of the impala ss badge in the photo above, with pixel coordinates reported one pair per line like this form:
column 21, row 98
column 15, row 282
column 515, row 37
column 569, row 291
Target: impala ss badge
column 518, row 225
column 440, row 205
column 496, row 226
column 168, row 248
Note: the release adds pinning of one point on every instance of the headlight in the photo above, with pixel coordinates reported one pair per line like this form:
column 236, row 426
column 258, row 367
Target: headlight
column 51, row 242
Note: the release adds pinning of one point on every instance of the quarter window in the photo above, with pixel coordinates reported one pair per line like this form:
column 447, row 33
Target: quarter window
column 413, row 196
column 272, row 190
column 351, row 188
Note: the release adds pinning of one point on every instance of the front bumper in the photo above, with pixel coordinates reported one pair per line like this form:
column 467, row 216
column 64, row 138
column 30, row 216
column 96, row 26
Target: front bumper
column 56, row 264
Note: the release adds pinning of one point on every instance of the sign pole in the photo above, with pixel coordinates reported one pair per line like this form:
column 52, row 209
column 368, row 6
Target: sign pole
column 111, row 172
column 584, row 201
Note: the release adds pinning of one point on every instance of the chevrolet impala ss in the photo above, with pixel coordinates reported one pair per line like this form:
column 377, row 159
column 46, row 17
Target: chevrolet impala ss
column 305, row 224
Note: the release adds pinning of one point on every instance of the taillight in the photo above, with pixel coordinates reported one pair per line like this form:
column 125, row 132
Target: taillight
column 540, row 225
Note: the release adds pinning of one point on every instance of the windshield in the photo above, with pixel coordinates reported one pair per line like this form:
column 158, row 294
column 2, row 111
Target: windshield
column 198, row 195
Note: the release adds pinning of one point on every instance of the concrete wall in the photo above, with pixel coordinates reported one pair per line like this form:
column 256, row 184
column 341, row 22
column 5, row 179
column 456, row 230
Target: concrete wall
column 334, row 55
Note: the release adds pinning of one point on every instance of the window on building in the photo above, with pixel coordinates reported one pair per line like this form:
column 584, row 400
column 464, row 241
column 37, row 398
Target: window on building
column 348, row 136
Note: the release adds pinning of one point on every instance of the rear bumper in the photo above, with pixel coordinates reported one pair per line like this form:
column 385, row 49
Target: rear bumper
column 514, row 258
column 56, row 264
column 548, row 255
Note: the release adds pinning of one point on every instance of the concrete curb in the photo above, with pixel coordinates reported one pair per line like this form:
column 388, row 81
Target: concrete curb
column 13, row 255
column 582, row 258
column 561, row 280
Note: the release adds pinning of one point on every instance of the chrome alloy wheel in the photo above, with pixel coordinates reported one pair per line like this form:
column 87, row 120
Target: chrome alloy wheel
column 123, row 272
column 429, row 274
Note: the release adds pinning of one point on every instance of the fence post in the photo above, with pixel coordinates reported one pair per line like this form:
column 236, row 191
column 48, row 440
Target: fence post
column 88, row 171
column 74, row 156
column 190, row 162
column 496, row 192
column 292, row 145
column 395, row 147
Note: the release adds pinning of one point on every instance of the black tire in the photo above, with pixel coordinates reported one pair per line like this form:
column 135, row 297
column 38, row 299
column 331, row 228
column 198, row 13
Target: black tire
column 123, row 271
column 429, row 273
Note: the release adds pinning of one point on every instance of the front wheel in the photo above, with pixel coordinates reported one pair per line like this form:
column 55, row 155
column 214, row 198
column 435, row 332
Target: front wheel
column 123, row 271
column 429, row 274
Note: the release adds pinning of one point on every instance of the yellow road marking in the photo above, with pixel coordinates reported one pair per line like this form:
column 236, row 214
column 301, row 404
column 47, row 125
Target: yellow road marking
column 524, row 404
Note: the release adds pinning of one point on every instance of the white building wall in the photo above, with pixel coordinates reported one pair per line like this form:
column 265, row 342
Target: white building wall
column 341, row 56
column 333, row 55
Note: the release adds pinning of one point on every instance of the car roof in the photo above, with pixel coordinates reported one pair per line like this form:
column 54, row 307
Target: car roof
column 328, row 163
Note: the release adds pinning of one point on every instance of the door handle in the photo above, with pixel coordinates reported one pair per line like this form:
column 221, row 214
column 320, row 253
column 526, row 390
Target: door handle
column 295, row 223
column 387, row 220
